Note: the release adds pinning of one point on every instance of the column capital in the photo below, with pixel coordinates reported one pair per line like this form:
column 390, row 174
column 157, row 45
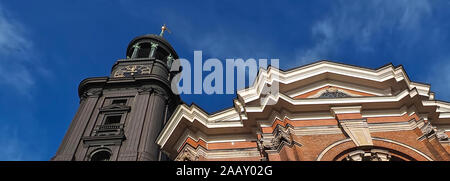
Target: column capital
column 135, row 50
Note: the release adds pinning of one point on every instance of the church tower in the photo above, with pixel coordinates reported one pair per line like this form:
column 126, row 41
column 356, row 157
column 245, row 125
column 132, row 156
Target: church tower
column 121, row 115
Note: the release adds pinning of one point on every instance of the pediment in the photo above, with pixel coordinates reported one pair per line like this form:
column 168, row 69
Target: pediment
column 384, row 81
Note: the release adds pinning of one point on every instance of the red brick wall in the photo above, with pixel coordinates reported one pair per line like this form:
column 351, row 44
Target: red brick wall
column 314, row 145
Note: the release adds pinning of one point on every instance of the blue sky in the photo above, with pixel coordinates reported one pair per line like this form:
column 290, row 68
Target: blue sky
column 47, row 47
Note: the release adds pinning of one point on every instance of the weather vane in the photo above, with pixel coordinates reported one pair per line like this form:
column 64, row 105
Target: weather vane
column 164, row 28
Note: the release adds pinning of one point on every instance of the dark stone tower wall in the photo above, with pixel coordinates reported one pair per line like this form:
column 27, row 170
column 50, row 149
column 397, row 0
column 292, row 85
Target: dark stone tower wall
column 120, row 116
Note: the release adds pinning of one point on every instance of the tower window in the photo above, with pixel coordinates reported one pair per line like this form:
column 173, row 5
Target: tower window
column 119, row 101
column 161, row 54
column 101, row 156
column 113, row 119
column 144, row 51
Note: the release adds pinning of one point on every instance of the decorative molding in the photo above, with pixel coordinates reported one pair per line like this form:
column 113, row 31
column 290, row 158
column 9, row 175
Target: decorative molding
column 101, row 148
column 379, row 75
column 285, row 114
column 115, row 107
column 404, row 145
column 103, row 140
column 373, row 127
column 93, row 92
column 280, row 134
column 274, row 142
column 333, row 93
column 328, row 148
column 372, row 155
column 340, row 86
column 440, row 106
column 198, row 135
column 292, row 116
column 428, row 131
column 217, row 154
column 442, row 136
column 388, row 112
column 145, row 90
column 336, row 101
column 153, row 90
column 222, row 119
column 187, row 155
column 346, row 110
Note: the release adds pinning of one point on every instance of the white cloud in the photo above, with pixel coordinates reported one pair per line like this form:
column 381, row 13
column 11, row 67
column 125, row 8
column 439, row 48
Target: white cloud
column 18, row 69
column 361, row 23
column 15, row 53
column 364, row 23
column 11, row 38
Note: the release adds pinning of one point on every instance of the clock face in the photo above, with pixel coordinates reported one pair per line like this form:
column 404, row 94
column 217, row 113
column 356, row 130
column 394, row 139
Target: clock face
column 132, row 70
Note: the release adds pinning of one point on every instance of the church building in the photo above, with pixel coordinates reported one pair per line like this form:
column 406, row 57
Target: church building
column 324, row 111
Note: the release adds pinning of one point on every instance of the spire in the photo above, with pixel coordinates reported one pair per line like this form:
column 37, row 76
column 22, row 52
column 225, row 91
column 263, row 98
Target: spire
column 164, row 28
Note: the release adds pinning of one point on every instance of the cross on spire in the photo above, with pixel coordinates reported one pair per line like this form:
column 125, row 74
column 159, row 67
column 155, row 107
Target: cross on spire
column 164, row 28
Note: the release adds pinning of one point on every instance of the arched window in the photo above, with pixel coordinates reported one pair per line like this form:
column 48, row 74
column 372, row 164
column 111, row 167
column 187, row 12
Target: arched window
column 102, row 155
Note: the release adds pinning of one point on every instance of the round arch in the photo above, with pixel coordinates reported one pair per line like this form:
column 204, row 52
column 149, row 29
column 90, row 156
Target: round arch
column 335, row 150
column 101, row 154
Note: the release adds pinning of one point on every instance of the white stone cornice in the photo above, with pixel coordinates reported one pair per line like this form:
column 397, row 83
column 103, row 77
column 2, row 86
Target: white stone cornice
column 383, row 113
column 223, row 154
column 285, row 114
column 225, row 118
column 196, row 136
column 380, row 75
column 392, row 112
column 333, row 101
column 373, row 127
column 441, row 106
column 444, row 115
column 395, row 126
column 345, row 110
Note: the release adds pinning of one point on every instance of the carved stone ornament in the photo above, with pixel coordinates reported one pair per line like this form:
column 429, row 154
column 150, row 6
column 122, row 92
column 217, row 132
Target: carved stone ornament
column 153, row 90
column 442, row 136
column 333, row 93
column 281, row 134
column 187, row 155
column 145, row 90
column 132, row 70
column 428, row 130
column 161, row 92
column 372, row 155
column 92, row 93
